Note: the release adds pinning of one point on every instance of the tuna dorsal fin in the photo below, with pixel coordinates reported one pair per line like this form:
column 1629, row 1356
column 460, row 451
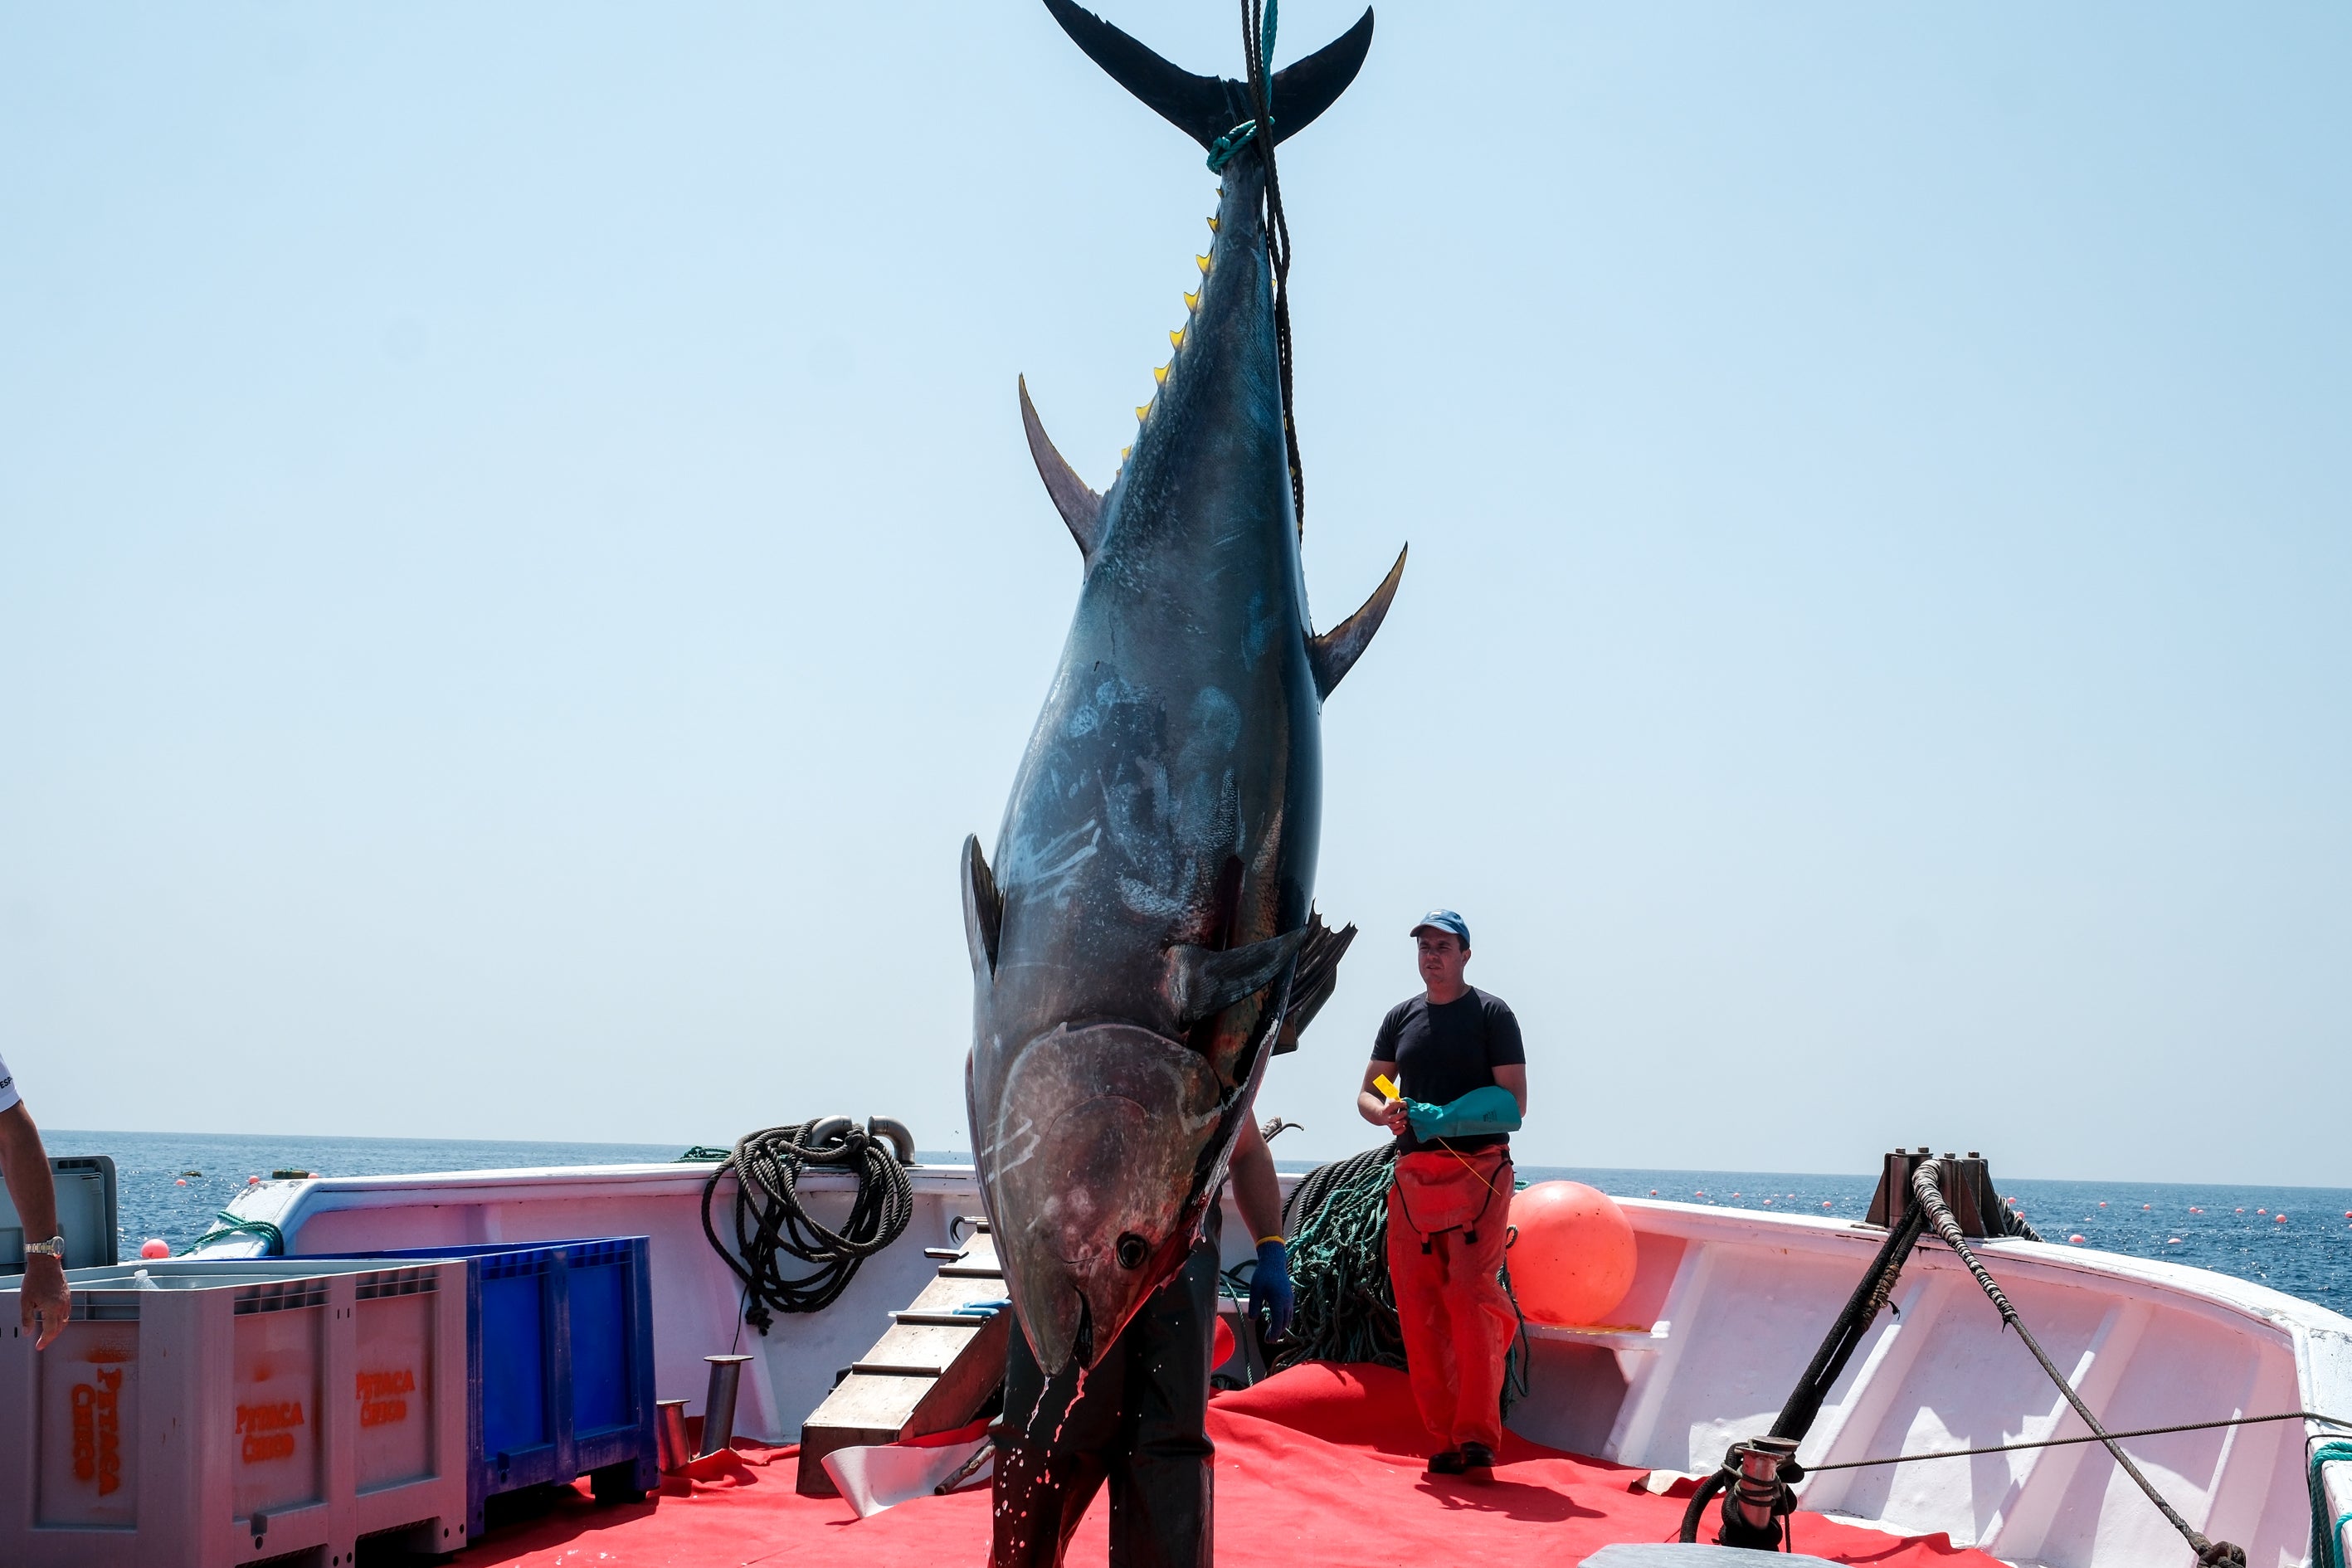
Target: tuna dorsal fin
column 1335, row 653
column 983, row 908
column 1205, row 107
column 1318, row 977
column 1080, row 507
column 1203, row 983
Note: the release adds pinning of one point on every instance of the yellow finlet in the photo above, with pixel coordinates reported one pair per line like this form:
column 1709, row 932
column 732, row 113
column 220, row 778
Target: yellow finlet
column 1204, row 265
column 1143, row 411
column 1160, row 375
column 1123, row 451
column 1177, row 337
column 1192, row 301
column 1212, row 223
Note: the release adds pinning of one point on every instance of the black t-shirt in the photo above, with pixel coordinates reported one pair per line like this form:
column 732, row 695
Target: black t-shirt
column 1444, row 1053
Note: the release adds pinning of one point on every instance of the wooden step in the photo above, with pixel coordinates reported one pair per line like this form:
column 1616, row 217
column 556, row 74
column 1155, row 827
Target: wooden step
column 931, row 1370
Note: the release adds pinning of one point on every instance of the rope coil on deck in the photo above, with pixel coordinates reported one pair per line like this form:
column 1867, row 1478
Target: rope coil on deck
column 1337, row 1221
column 772, row 1223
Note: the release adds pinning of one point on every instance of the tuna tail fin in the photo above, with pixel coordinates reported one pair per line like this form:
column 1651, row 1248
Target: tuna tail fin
column 1081, row 507
column 1331, row 656
column 1205, row 107
column 1317, row 977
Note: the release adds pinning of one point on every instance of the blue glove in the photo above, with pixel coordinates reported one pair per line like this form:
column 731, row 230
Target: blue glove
column 1270, row 1290
column 1487, row 1109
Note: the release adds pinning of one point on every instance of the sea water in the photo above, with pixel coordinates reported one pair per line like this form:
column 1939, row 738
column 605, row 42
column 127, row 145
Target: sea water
column 172, row 1185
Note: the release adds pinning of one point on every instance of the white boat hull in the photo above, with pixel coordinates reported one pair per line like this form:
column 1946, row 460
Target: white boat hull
column 1725, row 1312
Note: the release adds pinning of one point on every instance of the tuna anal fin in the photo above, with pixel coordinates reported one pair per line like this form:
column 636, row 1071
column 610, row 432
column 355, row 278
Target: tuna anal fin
column 1203, row 983
column 1318, row 977
column 983, row 908
column 1335, row 653
column 1081, row 508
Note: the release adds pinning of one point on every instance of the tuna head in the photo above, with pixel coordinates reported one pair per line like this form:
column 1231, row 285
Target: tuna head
column 1094, row 1152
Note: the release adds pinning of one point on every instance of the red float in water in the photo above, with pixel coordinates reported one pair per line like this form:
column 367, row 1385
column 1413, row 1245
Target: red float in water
column 2278, row 1219
column 181, row 1182
column 2102, row 1203
column 1573, row 1260
column 154, row 1247
column 2075, row 1239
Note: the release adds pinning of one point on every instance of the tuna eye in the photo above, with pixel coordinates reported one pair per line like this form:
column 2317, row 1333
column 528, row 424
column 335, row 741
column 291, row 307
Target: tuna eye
column 1132, row 1250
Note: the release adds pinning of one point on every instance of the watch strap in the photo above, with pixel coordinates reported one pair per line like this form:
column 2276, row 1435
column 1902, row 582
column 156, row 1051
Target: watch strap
column 53, row 1247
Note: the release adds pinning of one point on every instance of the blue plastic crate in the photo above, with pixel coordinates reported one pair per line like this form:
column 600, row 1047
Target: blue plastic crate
column 560, row 1365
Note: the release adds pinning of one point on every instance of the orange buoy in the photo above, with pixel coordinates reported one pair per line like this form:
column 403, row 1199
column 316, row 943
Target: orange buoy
column 2102, row 1203
column 154, row 1247
column 2075, row 1239
column 182, row 1182
column 1825, row 1203
column 2278, row 1219
column 1574, row 1257
column 1220, row 1349
column 2143, row 1207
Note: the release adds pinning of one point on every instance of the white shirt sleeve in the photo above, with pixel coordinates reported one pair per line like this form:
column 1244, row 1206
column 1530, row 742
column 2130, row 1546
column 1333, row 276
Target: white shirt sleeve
column 8, row 1095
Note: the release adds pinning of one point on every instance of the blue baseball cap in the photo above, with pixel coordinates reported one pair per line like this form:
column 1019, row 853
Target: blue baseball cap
column 1445, row 920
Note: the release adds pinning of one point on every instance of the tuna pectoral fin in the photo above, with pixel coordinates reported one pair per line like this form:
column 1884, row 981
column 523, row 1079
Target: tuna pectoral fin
column 983, row 908
column 1204, row 107
column 1202, row 983
column 1318, row 975
column 1335, row 653
column 1081, row 508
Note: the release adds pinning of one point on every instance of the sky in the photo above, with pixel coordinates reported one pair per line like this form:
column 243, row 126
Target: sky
column 519, row 566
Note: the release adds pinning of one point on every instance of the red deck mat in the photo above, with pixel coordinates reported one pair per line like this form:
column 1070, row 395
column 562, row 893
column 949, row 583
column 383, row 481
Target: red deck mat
column 1318, row 1465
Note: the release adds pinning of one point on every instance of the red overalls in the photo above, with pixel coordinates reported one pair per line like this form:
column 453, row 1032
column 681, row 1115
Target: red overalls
column 1449, row 1219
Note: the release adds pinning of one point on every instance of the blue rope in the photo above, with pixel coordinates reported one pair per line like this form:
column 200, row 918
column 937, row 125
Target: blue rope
column 2326, row 1537
column 1223, row 149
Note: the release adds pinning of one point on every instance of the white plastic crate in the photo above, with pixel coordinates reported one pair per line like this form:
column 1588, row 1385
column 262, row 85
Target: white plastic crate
column 216, row 1412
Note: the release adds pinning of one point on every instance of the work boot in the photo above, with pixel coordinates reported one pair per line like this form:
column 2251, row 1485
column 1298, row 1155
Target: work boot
column 1478, row 1461
column 1448, row 1463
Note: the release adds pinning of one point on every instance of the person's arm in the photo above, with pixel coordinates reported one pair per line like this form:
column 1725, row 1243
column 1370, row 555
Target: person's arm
column 25, row 1166
column 1258, row 1195
column 1375, row 1107
column 1514, row 1079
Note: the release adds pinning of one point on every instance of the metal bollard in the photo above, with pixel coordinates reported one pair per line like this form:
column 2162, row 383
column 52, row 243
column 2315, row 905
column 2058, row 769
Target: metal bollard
column 669, row 1435
column 718, row 1405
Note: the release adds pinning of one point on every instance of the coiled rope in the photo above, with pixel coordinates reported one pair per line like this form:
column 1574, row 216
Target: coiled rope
column 773, row 1225
column 1337, row 1220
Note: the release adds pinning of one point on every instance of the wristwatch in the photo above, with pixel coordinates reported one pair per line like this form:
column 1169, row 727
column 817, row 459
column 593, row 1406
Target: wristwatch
column 53, row 1247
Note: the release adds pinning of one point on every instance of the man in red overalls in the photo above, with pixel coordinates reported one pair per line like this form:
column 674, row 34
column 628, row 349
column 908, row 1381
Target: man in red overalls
column 1455, row 1054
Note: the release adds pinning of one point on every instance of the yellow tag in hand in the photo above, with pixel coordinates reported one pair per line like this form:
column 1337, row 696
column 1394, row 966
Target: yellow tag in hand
column 1386, row 1085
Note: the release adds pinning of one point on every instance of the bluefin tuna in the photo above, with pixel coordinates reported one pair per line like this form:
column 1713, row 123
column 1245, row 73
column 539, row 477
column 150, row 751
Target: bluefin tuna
column 1146, row 940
